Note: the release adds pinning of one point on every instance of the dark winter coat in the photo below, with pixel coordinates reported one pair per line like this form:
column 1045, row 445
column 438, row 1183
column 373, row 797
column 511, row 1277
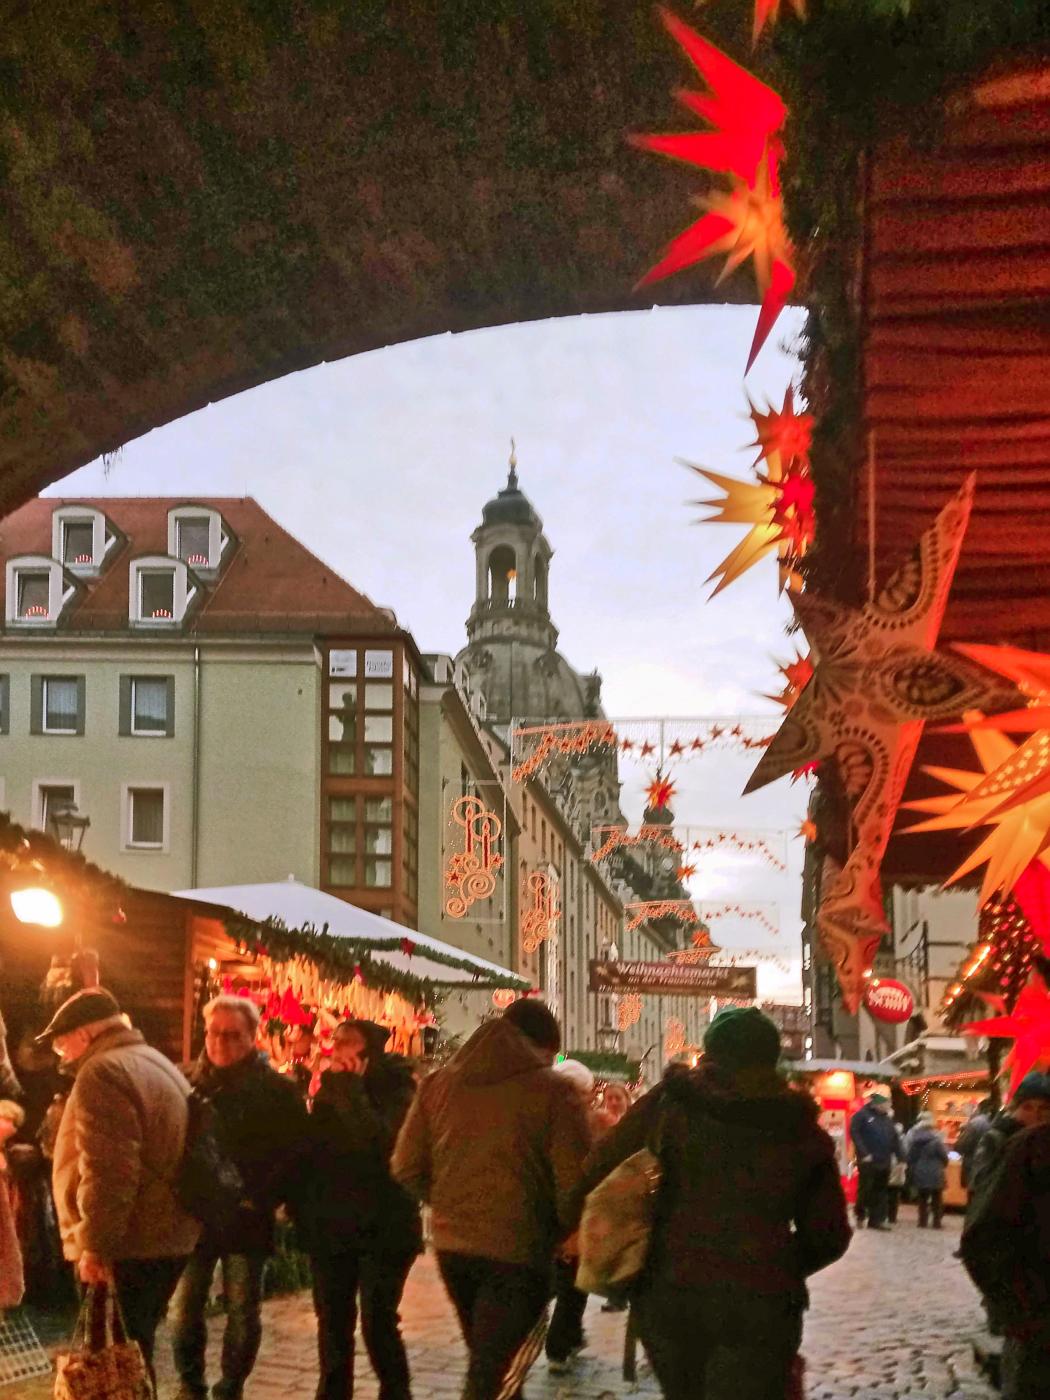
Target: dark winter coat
column 261, row 1125
column 348, row 1200
column 751, row 1198
column 969, row 1140
column 1006, row 1243
column 495, row 1141
column 927, row 1159
column 988, row 1158
column 874, row 1137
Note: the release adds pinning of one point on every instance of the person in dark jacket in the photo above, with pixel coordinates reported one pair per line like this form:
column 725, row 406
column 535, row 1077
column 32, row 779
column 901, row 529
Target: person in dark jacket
column 495, row 1142
column 876, row 1143
column 969, row 1139
column 749, row 1206
column 1006, row 1250
column 927, row 1159
column 362, row 1230
column 260, row 1125
column 1029, row 1107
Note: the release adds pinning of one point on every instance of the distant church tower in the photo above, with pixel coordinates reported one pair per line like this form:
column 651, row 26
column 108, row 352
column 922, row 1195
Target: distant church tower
column 512, row 643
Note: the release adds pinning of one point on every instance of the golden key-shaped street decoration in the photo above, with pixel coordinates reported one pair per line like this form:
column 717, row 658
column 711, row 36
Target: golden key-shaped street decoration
column 470, row 875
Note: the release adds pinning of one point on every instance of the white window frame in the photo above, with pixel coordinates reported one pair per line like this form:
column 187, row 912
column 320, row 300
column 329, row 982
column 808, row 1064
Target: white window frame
column 147, row 733
column 45, row 681
column 126, row 843
column 37, row 816
column 217, row 535
column 182, row 591
column 102, row 537
column 61, row 587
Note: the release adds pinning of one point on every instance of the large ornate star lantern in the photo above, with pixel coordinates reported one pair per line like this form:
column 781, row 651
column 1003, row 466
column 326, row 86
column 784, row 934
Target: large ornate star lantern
column 877, row 678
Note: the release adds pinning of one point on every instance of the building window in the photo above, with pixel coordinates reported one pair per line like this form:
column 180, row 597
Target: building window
column 78, row 543
column 57, row 705
column 34, row 596
column 146, row 819
column 342, row 841
column 52, row 798
column 377, row 874
column 193, row 536
column 379, row 762
column 157, row 594
column 147, row 706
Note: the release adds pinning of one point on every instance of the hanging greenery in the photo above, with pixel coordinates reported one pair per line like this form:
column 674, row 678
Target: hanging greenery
column 347, row 959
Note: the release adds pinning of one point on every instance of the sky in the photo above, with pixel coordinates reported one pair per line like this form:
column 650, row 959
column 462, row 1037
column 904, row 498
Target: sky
column 381, row 463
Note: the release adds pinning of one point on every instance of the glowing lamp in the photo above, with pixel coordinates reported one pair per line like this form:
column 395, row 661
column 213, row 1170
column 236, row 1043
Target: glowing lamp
column 37, row 906
column 839, row 1084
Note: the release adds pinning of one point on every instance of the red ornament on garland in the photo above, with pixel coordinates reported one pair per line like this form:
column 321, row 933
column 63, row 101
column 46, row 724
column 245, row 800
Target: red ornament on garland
column 659, row 793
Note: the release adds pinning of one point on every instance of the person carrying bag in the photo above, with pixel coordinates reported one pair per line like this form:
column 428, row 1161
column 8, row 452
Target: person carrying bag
column 102, row 1363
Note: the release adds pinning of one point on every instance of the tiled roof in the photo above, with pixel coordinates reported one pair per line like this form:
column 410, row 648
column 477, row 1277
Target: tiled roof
column 268, row 582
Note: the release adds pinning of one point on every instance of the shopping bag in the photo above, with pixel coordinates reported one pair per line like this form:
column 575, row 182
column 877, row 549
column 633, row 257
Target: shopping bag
column 523, row 1359
column 101, row 1363
column 616, row 1224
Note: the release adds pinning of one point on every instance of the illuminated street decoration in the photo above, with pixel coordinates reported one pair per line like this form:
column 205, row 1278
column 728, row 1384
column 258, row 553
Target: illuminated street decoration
column 615, row 838
column 540, row 911
column 572, row 739
column 470, row 874
column 628, row 1010
column 650, row 910
column 757, row 913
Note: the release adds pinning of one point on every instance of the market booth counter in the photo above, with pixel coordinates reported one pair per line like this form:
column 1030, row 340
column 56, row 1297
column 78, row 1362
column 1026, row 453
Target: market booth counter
column 840, row 1088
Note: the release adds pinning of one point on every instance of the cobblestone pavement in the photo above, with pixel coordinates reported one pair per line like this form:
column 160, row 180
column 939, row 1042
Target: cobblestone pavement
column 891, row 1321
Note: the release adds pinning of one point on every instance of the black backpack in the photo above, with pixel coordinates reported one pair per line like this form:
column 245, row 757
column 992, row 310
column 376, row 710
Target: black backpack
column 208, row 1185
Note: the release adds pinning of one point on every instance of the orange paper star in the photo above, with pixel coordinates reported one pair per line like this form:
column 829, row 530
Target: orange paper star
column 1019, row 834
column 686, row 872
column 782, row 431
column 808, row 829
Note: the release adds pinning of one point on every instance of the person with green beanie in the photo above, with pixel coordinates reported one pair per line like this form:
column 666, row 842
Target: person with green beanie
column 750, row 1205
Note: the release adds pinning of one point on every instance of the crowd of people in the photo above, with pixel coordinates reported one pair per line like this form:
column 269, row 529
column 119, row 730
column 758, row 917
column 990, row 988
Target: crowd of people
column 502, row 1145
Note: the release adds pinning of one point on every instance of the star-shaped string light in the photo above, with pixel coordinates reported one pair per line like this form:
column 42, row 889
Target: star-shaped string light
column 1019, row 834
column 876, row 679
column 1028, row 1025
column 747, row 219
column 797, row 674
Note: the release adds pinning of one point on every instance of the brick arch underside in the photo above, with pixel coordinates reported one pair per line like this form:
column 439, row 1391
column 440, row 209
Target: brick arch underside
column 203, row 197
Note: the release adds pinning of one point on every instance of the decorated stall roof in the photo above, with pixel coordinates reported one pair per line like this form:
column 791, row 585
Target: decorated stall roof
column 293, row 919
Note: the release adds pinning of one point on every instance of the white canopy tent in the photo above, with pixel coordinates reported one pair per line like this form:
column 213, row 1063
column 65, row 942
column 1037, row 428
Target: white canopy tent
column 301, row 906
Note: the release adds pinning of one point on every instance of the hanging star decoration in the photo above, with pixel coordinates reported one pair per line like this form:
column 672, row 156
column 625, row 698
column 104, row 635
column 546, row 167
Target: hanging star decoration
column 1019, row 833
column 1028, row 1026
column 797, row 674
column 747, row 219
column 808, row 830
column 685, row 872
column 1023, row 776
column 876, row 679
column 768, row 12
column 777, row 505
column 659, row 793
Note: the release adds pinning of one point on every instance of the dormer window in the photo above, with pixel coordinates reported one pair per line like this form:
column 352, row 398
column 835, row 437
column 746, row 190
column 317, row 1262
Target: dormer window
column 157, row 594
column 38, row 589
column 161, row 589
column 81, row 538
column 197, row 537
column 194, row 541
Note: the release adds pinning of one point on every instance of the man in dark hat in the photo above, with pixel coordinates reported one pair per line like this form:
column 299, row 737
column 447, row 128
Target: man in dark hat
column 749, row 1206
column 116, row 1154
column 876, row 1143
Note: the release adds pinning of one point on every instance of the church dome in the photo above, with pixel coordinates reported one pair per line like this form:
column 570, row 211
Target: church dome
column 511, row 506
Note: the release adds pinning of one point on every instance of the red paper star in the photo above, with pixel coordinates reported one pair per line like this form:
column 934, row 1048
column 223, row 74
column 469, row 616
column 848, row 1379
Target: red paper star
column 677, row 748
column 686, row 872
column 627, row 745
column 808, row 829
column 647, row 749
column 659, row 793
column 697, row 745
column 745, row 113
column 768, row 12
column 1029, row 1028
column 782, row 431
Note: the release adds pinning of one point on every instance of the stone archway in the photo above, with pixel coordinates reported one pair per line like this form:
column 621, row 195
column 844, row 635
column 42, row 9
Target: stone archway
column 199, row 198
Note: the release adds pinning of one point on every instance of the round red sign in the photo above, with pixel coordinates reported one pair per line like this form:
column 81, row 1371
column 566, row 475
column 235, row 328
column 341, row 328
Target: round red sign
column 889, row 1000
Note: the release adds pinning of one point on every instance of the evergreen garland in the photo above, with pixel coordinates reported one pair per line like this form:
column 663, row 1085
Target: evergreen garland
column 343, row 959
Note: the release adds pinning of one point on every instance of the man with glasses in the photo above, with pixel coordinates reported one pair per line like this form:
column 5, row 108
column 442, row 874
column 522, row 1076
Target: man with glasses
column 260, row 1125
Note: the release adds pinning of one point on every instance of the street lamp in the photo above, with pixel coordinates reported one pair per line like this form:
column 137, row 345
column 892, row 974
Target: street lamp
column 37, row 906
column 608, row 1038
column 68, row 826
